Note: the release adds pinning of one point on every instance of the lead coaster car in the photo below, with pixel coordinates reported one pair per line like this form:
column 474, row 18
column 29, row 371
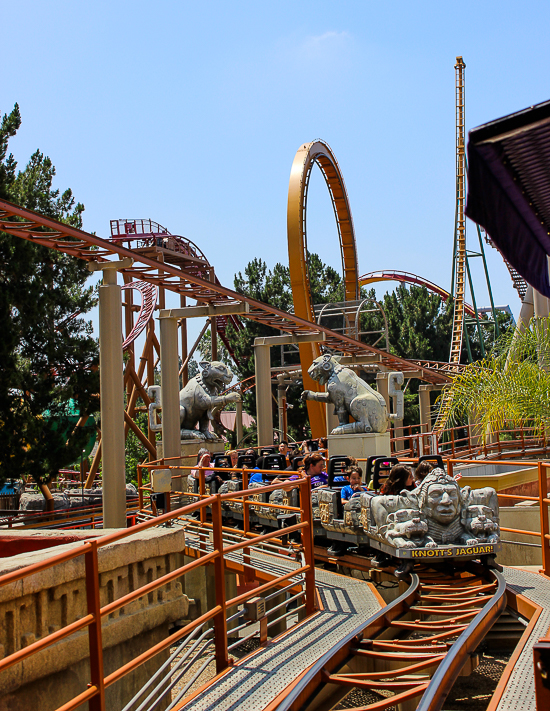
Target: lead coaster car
column 437, row 521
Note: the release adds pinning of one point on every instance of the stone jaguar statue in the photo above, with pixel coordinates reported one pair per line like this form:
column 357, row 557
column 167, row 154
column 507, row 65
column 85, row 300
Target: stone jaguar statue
column 479, row 525
column 407, row 528
column 200, row 399
column 350, row 396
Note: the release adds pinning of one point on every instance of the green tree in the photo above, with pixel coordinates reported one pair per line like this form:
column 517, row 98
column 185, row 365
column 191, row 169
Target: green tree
column 419, row 323
column 510, row 387
column 273, row 287
column 49, row 357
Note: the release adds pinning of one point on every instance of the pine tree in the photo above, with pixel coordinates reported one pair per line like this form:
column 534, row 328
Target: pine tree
column 48, row 354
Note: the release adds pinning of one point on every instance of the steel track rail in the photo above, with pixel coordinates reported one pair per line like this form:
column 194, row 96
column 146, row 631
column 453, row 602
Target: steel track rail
column 435, row 691
column 30, row 225
column 448, row 671
column 379, row 619
column 409, row 278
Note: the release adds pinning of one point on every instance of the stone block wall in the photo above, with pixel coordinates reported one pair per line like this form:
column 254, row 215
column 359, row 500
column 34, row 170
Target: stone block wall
column 43, row 603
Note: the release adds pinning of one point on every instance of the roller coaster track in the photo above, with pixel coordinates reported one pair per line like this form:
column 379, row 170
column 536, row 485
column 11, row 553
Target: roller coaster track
column 44, row 231
column 308, row 155
column 148, row 302
column 150, row 238
column 409, row 278
column 414, row 647
column 519, row 283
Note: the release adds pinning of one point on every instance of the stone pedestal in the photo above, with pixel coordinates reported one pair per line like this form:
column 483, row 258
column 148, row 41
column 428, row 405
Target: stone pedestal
column 189, row 450
column 359, row 446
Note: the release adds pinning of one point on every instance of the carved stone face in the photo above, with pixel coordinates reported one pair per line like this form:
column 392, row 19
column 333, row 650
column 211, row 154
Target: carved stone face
column 216, row 374
column 321, row 369
column 442, row 502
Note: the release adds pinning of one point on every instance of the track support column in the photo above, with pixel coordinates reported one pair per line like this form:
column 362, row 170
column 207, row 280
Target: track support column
column 112, row 393
column 264, row 415
column 171, row 435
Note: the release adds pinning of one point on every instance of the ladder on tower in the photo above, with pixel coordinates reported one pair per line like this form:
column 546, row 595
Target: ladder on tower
column 459, row 257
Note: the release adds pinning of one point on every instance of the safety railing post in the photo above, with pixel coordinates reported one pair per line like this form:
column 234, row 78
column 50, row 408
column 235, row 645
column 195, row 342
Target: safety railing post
column 543, row 507
column 450, row 467
column 307, row 544
column 97, row 702
column 452, row 442
column 220, row 624
column 139, row 485
column 249, row 576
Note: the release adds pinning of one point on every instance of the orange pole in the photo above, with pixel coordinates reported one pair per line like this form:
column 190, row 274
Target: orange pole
column 307, row 544
column 220, row 623
column 543, row 494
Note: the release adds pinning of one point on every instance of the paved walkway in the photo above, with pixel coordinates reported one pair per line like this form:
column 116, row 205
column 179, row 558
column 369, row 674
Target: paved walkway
column 254, row 683
column 348, row 603
column 519, row 694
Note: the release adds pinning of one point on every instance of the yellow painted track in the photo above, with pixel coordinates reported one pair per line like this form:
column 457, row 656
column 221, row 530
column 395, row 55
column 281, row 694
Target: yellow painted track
column 309, row 154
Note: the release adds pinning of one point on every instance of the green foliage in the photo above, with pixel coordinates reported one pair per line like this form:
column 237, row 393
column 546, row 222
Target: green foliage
column 419, row 323
column 273, row 287
column 47, row 352
column 420, row 327
column 510, row 387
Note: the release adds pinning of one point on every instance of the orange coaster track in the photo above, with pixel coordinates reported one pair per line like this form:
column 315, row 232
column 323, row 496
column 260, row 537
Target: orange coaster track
column 42, row 230
column 409, row 278
column 309, row 154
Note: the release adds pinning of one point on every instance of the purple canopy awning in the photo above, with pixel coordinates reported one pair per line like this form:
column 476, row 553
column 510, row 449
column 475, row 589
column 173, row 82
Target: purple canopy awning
column 509, row 189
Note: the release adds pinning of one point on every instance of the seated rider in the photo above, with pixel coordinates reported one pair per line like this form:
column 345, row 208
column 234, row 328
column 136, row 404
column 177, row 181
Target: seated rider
column 355, row 487
column 421, row 472
column 314, row 466
column 344, row 476
column 400, row 478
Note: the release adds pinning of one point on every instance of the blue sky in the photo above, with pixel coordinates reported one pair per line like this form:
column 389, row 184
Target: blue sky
column 191, row 113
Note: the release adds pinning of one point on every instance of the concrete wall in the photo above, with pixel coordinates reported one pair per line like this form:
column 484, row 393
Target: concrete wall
column 525, row 518
column 44, row 602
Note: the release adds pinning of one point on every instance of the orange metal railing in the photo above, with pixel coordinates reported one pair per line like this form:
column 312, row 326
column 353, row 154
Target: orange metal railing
column 466, row 441
column 95, row 693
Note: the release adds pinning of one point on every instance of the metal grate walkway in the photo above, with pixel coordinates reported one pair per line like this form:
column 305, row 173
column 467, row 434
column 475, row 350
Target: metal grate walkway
column 258, row 680
column 519, row 694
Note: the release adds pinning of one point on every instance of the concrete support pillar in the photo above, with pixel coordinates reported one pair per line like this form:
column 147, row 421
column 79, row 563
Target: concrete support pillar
column 425, row 407
column 171, row 435
column 264, row 416
column 112, row 401
column 213, row 326
column 541, row 304
column 183, row 332
column 281, row 403
column 382, row 387
column 525, row 315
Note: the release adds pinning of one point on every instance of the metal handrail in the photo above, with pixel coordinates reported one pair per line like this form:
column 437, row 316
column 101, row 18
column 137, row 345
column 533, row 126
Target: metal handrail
column 89, row 549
